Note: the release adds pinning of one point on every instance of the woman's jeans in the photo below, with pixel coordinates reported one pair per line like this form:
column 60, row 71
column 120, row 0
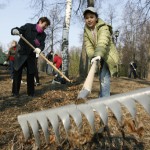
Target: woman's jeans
column 104, row 81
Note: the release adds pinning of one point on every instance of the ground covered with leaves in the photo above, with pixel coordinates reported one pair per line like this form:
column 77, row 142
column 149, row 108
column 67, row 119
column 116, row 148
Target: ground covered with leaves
column 132, row 135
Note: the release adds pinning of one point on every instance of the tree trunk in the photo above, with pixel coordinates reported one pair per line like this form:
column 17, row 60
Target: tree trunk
column 83, row 66
column 65, row 37
column 90, row 3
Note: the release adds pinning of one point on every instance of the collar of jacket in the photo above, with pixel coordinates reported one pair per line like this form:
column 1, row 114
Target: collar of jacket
column 98, row 26
column 34, row 27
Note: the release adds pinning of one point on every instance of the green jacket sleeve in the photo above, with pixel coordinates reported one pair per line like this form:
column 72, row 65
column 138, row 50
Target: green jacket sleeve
column 88, row 45
column 103, row 40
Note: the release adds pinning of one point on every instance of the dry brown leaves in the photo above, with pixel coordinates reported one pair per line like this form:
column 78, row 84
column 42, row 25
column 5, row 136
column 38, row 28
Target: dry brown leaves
column 50, row 96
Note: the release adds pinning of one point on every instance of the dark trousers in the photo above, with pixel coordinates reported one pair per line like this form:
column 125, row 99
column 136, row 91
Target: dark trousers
column 17, row 82
column 134, row 73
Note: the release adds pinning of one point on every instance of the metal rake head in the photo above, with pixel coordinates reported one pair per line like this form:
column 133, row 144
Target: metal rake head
column 35, row 121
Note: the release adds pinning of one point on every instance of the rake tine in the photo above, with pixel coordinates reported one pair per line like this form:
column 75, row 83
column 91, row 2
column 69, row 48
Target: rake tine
column 89, row 114
column 130, row 105
column 24, row 126
column 44, row 124
column 144, row 100
column 75, row 113
column 35, row 127
column 112, row 104
column 53, row 119
column 64, row 116
column 101, row 109
column 117, row 112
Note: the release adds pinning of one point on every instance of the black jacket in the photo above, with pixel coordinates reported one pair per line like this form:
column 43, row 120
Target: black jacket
column 133, row 65
column 25, row 52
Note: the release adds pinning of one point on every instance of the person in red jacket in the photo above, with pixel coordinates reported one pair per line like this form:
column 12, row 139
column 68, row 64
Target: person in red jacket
column 57, row 60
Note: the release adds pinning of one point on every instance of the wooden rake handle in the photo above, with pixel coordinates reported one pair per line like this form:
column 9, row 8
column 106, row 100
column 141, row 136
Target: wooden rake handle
column 43, row 56
column 87, row 87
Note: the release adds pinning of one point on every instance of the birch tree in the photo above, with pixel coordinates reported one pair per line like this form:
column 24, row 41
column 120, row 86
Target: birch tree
column 65, row 37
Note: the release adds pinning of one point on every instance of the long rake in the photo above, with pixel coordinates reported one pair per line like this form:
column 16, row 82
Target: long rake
column 40, row 119
column 42, row 55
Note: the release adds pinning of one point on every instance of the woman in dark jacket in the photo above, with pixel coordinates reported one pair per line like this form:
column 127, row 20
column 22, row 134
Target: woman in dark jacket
column 25, row 56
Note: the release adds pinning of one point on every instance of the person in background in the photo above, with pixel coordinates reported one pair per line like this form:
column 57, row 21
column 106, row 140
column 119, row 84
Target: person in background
column 26, row 56
column 49, row 56
column 11, row 58
column 100, row 47
column 57, row 61
column 133, row 68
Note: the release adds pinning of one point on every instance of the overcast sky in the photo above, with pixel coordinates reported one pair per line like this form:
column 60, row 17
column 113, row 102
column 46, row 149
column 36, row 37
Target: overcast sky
column 17, row 13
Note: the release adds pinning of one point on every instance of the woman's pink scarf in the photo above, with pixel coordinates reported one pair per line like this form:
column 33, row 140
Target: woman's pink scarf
column 39, row 29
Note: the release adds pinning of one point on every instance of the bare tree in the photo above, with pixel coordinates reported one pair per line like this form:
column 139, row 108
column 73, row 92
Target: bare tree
column 111, row 14
column 143, row 7
column 54, row 30
column 135, row 40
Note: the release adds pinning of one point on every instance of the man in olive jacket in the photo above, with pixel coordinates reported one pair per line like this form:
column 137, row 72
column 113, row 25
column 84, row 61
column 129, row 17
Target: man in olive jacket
column 25, row 55
column 99, row 46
